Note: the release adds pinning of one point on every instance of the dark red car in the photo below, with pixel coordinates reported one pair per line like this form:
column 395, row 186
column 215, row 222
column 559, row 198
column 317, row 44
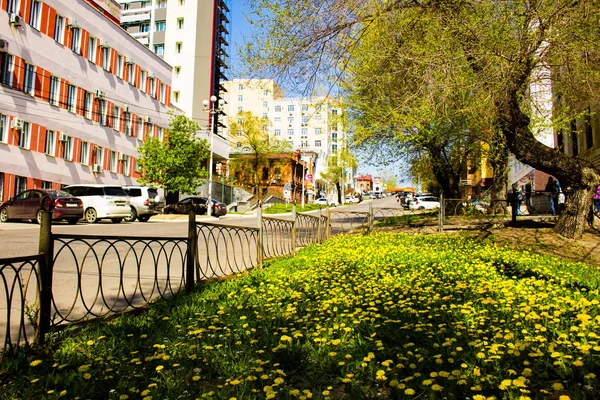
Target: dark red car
column 26, row 205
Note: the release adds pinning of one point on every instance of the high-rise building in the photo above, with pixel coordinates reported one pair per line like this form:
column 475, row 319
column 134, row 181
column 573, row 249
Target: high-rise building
column 78, row 95
column 193, row 37
column 313, row 126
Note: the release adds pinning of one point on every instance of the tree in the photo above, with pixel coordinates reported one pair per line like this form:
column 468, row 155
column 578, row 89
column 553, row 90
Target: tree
column 251, row 159
column 492, row 51
column 177, row 164
column 338, row 165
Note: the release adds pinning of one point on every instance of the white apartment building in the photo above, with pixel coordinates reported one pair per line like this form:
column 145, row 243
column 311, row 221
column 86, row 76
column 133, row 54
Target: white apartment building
column 313, row 126
column 193, row 37
column 78, row 95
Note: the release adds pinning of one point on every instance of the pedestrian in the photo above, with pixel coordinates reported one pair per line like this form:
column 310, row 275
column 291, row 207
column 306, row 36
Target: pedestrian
column 552, row 189
column 561, row 202
column 597, row 202
column 235, row 205
column 515, row 198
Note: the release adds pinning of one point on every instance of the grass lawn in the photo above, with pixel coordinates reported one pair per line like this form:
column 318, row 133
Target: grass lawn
column 287, row 208
column 380, row 316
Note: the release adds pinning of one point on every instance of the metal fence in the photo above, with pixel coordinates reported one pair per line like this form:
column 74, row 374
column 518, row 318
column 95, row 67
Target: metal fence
column 80, row 277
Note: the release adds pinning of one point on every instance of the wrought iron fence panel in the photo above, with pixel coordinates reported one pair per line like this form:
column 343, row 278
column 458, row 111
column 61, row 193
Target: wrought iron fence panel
column 277, row 237
column 405, row 217
column 224, row 250
column 310, row 229
column 96, row 276
column 19, row 300
column 347, row 221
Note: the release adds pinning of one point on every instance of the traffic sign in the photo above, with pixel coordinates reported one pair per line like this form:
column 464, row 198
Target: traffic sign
column 309, row 177
column 287, row 186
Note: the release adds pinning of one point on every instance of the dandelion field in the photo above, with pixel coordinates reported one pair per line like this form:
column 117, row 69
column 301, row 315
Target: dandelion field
column 379, row 316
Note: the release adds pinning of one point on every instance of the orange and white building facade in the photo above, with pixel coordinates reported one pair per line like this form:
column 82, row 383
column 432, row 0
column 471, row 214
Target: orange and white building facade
column 78, row 95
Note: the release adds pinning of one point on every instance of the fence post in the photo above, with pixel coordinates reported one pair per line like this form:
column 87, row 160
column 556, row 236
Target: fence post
column 46, row 248
column 370, row 218
column 259, row 242
column 294, row 222
column 319, row 227
column 191, row 252
column 441, row 214
column 328, row 227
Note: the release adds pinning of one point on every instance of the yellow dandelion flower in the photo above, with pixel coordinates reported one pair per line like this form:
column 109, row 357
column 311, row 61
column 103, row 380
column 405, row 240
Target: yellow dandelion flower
column 123, row 397
column 235, row 382
column 145, row 392
column 480, row 355
column 195, row 378
column 332, row 354
column 63, row 393
column 326, row 392
column 35, row 380
column 409, row 392
column 557, row 386
column 87, row 375
column 279, row 381
column 436, row 388
column 427, row 382
column 159, row 368
column 90, row 342
column 564, row 397
column 505, row 384
column 578, row 363
column 285, row 338
column 35, row 363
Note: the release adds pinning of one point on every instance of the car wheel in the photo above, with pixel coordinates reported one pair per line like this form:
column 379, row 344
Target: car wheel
column 116, row 220
column 91, row 215
column 421, row 208
column 143, row 218
column 132, row 215
column 4, row 215
column 72, row 221
column 38, row 216
column 170, row 211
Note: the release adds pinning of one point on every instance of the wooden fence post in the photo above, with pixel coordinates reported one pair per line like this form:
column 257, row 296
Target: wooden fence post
column 259, row 242
column 441, row 214
column 191, row 252
column 328, row 222
column 46, row 248
column 370, row 218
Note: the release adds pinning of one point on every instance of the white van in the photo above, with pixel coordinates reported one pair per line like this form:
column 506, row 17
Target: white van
column 101, row 201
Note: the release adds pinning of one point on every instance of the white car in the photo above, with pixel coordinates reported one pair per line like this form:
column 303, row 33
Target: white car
column 424, row 203
column 325, row 202
column 351, row 199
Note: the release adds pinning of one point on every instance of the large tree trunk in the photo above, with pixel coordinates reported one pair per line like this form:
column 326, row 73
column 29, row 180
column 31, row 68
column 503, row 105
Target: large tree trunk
column 578, row 177
column 498, row 160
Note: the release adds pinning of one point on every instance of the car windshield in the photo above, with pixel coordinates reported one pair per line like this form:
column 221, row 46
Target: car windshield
column 58, row 193
column 114, row 191
column 152, row 193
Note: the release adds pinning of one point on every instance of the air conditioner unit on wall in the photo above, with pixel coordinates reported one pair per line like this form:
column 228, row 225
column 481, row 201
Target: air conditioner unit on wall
column 129, row 60
column 16, row 124
column 151, row 75
column 104, row 43
column 14, row 19
column 72, row 23
column 96, row 168
column 122, row 157
column 125, row 108
column 99, row 94
column 146, row 118
column 62, row 137
column 3, row 46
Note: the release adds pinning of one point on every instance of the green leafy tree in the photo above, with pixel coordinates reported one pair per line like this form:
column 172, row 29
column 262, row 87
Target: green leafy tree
column 439, row 52
column 338, row 165
column 177, row 164
column 250, row 161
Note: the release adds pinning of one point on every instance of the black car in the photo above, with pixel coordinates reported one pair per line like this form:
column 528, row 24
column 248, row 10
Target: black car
column 198, row 204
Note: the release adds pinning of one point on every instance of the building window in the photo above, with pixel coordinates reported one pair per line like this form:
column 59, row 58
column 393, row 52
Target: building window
column 162, row 92
column 20, row 184
column 13, row 6
column 176, row 96
column 3, row 128
column 34, row 15
column 29, row 84
column 265, row 104
column 130, row 74
column 238, row 144
column 304, row 119
column 67, row 148
column 240, row 87
column 277, row 108
column 84, row 151
column 91, row 56
column 240, row 109
column 102, row 112
column 290, row 108
column 178, row 47
column 140, row 129
column 119, row 72
column 46, row 185
column 317, row 143
column 160, row 26
column 317, row 117
column 87, row 105
column 334, row 111
column 145, row 27
column 177, row 71
column 240, row 133
column 72, row 98
column 159, row 49
column 303, row 133
column 54, row 94
column 265, row 116
column 290, row 120
column 99, row 156
column 50, row 143
column 162, row 4
column 7, row 69
column 112, row 166
column 106, row 58
column 24, row 135
column 277, row 119
column 116, row 123
column 59, row 29
column 240, row 98
column 125, row 166
column 304, row 107
column 277, row 132
column 181, row 2
column 334, row 136
column 161, row 133
column 76, row 40
column 153, row 88
column 179, row 23
column 334, row 147
column 143, row 80
column 318, row 131
column 265, row 92
column 128, row 124
column 290, row 132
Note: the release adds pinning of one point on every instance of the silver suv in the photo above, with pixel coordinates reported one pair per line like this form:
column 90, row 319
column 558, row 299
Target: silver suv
column 145, row 202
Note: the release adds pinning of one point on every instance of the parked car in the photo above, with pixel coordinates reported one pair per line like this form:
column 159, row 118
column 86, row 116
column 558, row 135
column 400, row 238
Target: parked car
column 423, row 203
column 198, row 204
column 26, row 205
column 351, row 199
column 144, row 202
column 101, row 201
column 325, row 202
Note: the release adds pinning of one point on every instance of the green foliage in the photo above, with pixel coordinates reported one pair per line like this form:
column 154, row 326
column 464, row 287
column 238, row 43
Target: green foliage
column 177, row 164
column 287, row 208
column 379, row 316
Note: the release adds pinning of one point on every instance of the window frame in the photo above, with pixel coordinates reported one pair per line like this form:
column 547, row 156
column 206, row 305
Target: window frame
column 92, row 46
column 84, row 150
column 50, row 143
column 24, row 141
column 35, row 13
column 29, row 79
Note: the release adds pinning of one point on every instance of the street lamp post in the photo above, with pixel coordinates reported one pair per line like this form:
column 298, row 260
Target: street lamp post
column 212, row 110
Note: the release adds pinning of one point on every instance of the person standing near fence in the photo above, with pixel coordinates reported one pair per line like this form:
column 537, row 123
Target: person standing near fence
column 596, row 199
column 552, row 189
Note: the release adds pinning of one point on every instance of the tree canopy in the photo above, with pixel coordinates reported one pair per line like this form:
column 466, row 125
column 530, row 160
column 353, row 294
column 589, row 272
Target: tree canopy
column 409, row 65
column 177, row 164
